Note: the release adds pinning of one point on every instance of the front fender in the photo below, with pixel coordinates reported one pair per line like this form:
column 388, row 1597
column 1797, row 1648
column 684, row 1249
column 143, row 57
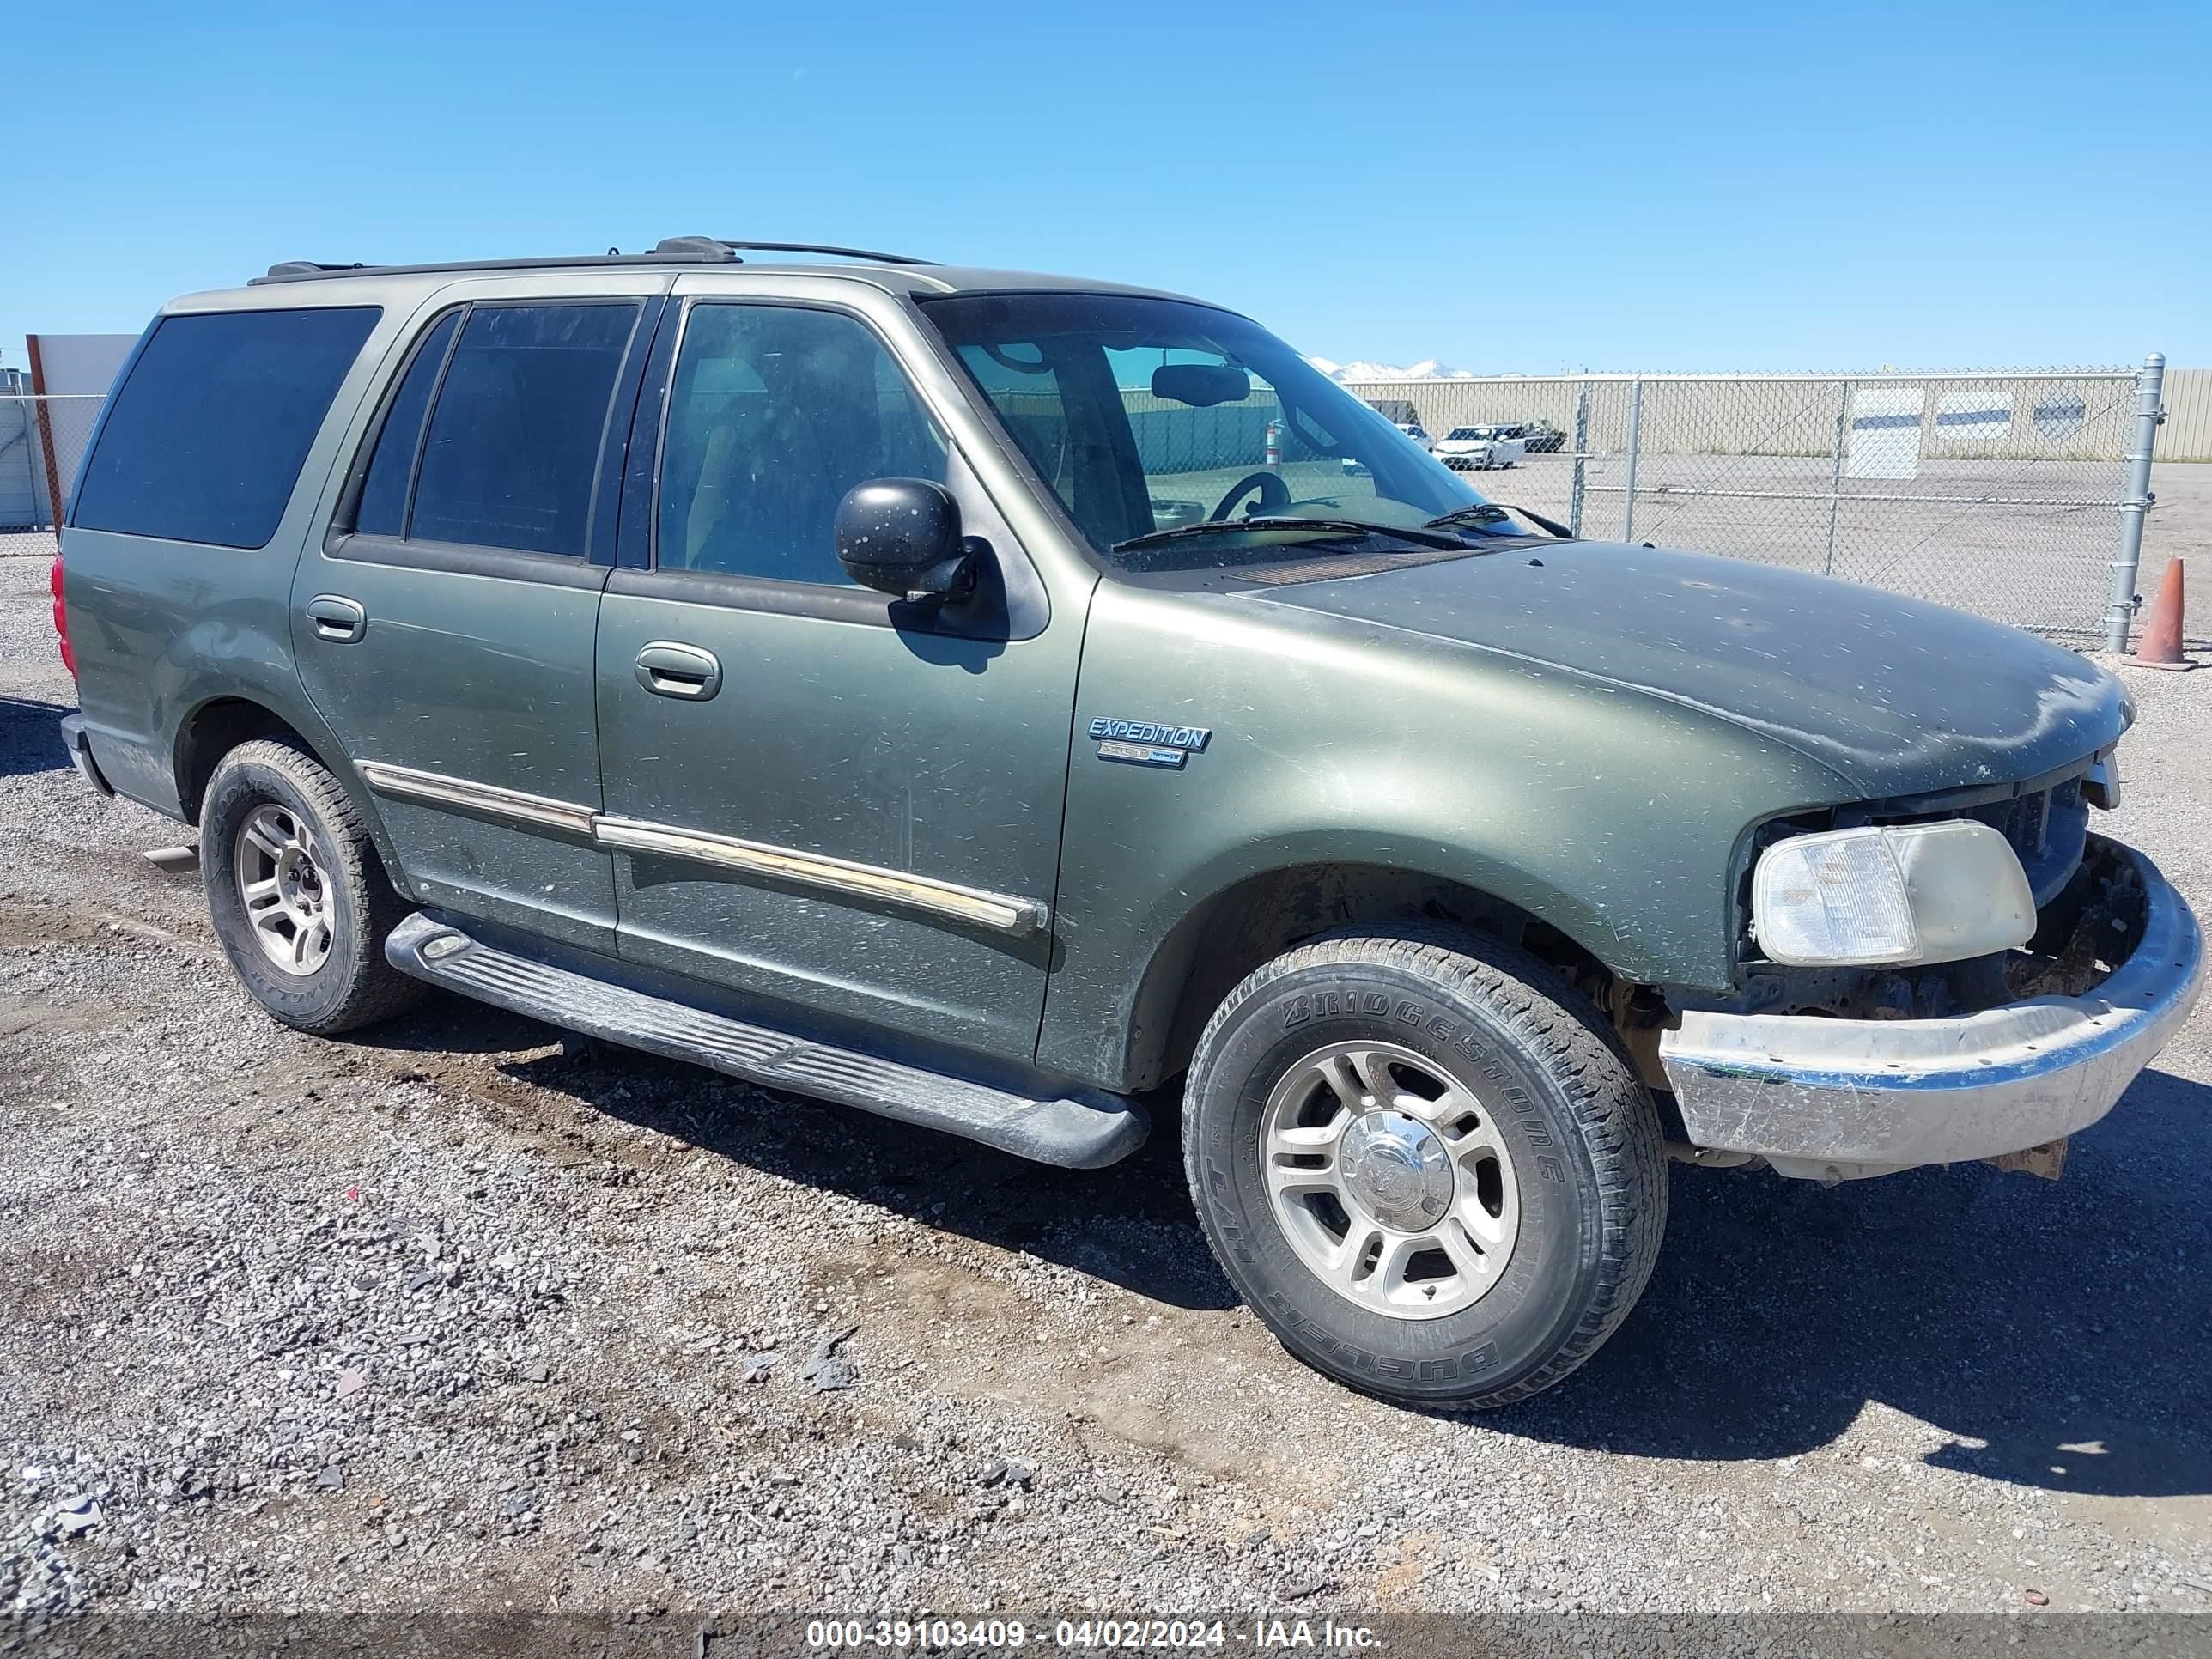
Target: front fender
column 1616, row 817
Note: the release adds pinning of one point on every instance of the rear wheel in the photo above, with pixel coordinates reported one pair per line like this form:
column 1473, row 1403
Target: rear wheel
column 1424, row 1163
column 297, row 893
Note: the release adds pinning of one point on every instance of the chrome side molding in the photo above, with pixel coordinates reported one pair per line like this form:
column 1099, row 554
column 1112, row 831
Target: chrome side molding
column 538, row 811
column 1007, row 914
column 1000, row 911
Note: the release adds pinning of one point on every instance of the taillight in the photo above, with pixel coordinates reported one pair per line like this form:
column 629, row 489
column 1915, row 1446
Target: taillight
column 61, row 617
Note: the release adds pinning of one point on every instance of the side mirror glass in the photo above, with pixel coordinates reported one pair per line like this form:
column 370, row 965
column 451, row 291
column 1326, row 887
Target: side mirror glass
column 902, row 536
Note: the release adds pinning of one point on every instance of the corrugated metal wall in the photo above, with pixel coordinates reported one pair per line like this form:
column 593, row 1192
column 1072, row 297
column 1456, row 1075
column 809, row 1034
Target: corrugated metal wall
column 2031, row 415
column 1997, row 492
column 2187, row 434
column 22, row 495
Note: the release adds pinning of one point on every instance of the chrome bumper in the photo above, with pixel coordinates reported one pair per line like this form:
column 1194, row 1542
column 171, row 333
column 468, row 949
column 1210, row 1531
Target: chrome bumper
column 1835, row 1099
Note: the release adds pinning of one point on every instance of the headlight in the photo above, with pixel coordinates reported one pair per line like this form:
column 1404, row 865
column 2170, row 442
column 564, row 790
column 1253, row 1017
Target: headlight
column 1924, row 892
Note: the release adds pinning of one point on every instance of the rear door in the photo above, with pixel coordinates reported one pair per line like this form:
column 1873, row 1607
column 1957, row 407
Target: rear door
column 445, row 628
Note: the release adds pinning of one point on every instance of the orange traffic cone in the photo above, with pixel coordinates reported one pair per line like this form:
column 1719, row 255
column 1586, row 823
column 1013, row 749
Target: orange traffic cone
column 2159, row 644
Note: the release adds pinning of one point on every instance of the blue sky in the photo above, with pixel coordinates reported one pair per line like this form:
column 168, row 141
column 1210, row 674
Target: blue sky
column 1527, row 187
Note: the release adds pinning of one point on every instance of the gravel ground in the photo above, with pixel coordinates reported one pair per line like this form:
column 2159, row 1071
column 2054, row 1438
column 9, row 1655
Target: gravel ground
column 454, row 1317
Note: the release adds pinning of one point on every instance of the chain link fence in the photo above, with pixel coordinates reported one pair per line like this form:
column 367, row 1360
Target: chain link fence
column 2005, row 493
column 42, row 439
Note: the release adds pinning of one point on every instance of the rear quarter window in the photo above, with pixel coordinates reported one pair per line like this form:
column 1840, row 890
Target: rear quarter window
column 207, row 432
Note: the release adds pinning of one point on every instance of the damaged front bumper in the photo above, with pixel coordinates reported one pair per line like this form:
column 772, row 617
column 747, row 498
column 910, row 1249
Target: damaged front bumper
column 1836, row 1099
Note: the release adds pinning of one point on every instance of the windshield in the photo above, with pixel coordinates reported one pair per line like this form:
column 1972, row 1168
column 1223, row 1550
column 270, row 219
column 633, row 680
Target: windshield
column 1146, row 414
column 1463, row 432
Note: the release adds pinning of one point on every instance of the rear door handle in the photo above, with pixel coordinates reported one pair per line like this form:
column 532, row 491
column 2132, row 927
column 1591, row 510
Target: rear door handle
column 668, row 668
column 337, row 618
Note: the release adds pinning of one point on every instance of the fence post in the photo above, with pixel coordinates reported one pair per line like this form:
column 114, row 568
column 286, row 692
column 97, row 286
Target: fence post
column 1635, row 442
column 1582, row 454
column 1836, row 471
column 2120, row 612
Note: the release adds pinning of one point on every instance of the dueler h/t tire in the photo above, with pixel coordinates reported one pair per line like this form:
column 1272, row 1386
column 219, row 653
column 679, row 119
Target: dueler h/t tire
column 297, row 891
column 1448, row 1103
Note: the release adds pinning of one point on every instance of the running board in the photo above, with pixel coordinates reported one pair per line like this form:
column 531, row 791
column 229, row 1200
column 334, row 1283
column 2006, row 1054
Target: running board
column 1068, row 1132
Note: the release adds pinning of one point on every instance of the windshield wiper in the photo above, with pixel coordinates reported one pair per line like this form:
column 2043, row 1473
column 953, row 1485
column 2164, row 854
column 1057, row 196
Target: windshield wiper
column 1491, row 513
column 1421, row 537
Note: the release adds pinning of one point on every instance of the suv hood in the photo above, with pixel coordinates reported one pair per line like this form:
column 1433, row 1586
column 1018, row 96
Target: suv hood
column 1896, row 696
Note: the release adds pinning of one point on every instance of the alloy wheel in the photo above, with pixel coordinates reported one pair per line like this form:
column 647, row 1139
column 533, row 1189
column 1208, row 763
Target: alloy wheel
column 284, row 883
column 1389, row 1180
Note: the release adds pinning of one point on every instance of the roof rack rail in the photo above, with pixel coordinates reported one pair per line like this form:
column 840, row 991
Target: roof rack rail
column 696, row 251
column 308, row 268
column 673, row 250
column 810, row 248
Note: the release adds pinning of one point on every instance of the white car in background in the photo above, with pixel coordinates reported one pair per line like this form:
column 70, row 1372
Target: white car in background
column 1354, row 468
column 1481, row 448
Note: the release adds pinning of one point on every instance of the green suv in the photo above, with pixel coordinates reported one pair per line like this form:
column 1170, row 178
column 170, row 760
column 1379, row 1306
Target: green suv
column 983, row 699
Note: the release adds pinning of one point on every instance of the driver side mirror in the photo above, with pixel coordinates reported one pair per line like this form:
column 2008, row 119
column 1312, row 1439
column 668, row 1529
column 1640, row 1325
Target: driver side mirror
column 902, row 536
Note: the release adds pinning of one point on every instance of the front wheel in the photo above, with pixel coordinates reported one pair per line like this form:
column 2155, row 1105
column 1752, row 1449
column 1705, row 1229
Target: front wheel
column 297, row 892
column 1422, row 1162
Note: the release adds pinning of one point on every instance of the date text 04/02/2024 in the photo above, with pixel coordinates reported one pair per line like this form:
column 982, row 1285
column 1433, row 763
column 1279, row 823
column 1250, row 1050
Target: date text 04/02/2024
column 1110, row 1634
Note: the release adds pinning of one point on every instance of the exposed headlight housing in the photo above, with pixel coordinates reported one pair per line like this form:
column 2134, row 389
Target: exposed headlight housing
column 1877, row 897
column 2102, row 785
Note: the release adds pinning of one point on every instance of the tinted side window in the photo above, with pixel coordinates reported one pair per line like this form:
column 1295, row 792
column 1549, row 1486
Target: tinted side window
column 775, row 412
column 206, row 437
column 514, row 445
column 382, row 510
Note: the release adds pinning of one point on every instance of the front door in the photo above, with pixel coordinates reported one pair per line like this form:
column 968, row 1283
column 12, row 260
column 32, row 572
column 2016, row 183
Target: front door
column 446, row 627
column 817, row 793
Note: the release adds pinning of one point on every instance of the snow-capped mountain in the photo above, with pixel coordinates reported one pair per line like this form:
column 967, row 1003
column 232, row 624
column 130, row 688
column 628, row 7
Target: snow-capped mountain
column 1428, row 369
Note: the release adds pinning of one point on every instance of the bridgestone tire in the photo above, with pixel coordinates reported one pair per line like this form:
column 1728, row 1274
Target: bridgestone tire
column 1582, row 1132
column 354, row 985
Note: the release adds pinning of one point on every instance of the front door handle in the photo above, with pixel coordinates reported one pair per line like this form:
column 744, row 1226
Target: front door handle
column 337, row 618
column 670, row 670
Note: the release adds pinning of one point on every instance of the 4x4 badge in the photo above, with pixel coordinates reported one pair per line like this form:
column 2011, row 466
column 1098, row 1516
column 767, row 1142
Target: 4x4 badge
column 1148, row 742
